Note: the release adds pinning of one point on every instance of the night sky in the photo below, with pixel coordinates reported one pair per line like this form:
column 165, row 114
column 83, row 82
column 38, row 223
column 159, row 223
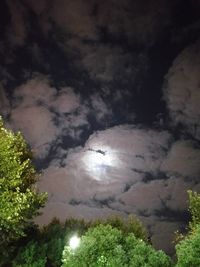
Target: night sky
column 107, row 94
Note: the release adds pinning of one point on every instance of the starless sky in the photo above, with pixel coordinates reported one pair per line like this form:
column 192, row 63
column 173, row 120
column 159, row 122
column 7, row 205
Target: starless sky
column 107, row 94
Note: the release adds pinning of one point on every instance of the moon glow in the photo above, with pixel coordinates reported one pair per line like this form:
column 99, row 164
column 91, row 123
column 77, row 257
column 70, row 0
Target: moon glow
column 99, row 163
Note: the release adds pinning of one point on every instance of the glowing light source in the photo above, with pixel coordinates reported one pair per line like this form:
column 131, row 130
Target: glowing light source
column 74, row 242
column 100, row 162
column 100, row 159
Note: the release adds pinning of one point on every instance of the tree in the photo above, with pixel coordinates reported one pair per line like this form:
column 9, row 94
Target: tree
column 19, row 199
column 52, row 238
column 194, row 208
column 129, row 225
column 188, row 250
column 33, row 255
column 106, row 246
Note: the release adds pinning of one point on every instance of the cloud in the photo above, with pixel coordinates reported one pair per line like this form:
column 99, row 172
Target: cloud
column 36, row 91
column 89, row 29
column 140, row 149
column 85, row 27
column 65, row 190
column 139, row 22
column 163, row 234
column 104, row 176
column 182, row 90
column 17, row 30
column 38, row 7
column 35, row 123
column 186, row 164
column 44, row 114
column 75, row 17
column 48, row 117
column 157, row 197
column 30, row 114
column 66, row 101
column 4, row 102
column 123, row 170
column 107, row 63
column 100, row 108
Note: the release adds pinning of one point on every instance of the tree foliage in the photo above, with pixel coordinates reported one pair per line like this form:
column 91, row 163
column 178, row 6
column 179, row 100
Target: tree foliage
column 104, row 243
column 55, row 235
column 194, row 208
column 32, row 255
column 19, row 199
column 51, row 240
column 107, row 246
column 188, row 250
column 129, row 225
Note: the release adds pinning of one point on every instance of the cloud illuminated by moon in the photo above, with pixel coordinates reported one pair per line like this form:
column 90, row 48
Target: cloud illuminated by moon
column 99, row 162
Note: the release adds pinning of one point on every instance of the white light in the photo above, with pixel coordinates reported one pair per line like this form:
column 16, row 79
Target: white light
column 74, row 242
column 99, row 159
column 99, row 163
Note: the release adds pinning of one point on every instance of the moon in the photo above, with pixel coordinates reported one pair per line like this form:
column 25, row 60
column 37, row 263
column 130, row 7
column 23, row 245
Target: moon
column 99, row 163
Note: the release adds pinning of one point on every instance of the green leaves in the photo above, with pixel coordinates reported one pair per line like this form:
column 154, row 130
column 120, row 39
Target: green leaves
column 19, row 201
column 194, row 208
column 188, row 250
column 106, row 246
column 32, row 255
column 130, row 225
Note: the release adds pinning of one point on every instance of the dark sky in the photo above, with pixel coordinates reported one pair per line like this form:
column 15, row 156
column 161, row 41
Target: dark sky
column 107, row 94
